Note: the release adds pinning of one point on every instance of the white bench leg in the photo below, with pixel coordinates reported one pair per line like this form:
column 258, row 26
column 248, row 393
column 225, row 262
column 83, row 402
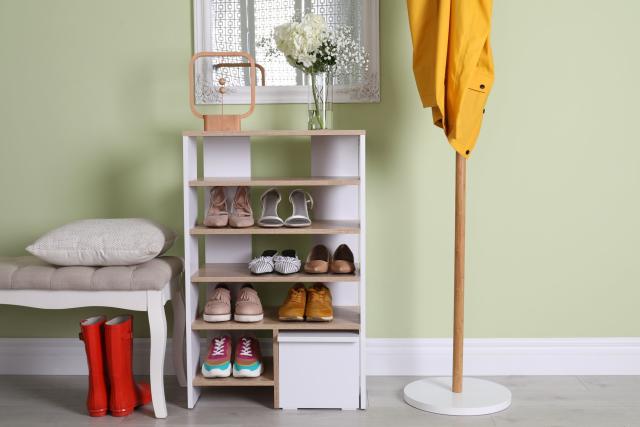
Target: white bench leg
column 177, row 302
column 158, row 333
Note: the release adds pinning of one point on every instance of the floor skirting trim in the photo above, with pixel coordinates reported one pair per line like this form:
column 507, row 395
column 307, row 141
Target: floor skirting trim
column 384, row 356
column 506, row 356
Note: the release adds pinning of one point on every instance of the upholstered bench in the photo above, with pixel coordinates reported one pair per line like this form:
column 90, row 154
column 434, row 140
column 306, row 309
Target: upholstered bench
column 29, row 282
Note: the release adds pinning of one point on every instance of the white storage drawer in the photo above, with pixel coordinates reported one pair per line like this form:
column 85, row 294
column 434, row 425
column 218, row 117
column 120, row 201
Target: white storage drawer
column 319, row 370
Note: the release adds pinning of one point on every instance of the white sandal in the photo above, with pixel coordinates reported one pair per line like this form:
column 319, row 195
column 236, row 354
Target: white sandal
column 300, row 202
column 269, row 218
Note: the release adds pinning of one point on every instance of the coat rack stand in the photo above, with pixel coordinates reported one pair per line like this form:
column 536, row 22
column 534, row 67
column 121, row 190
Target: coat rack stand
column 457, row 395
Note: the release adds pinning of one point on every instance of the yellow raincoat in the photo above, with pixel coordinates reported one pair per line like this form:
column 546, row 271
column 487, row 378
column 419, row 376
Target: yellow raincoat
column 452, row 64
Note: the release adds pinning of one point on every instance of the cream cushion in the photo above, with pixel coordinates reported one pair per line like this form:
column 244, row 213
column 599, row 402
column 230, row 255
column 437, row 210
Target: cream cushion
column 103, row 242
column 29, row 272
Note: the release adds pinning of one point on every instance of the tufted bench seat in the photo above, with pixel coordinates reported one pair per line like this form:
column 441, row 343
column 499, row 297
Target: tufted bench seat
column 29, row 272
column 27, row 281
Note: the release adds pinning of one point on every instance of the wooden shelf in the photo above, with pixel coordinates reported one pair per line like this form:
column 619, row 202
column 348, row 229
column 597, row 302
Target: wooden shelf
column 301, row 132
column 239, row 273
column 317, row 227
column 316, row 181
column 264, row 380
column 344, row 319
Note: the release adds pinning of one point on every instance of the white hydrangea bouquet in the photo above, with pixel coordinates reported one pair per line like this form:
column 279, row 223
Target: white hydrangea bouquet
column 321, row 53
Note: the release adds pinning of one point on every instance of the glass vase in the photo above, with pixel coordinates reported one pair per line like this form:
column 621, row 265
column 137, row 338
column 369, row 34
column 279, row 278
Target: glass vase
column 320, row 100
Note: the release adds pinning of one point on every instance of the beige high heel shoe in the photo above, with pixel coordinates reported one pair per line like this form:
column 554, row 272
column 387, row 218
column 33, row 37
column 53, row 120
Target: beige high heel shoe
column 241, row 212
column 217, row 215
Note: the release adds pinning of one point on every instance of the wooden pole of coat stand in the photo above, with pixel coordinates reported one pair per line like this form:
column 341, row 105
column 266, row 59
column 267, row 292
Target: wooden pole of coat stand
column 458, row 273
column 444, row 395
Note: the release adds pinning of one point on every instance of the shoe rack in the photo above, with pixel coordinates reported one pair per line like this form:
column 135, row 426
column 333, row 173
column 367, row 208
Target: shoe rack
column 337, row 184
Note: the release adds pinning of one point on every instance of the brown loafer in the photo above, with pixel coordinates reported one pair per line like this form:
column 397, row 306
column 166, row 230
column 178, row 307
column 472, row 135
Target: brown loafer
column 318, row 260
column 343, row 261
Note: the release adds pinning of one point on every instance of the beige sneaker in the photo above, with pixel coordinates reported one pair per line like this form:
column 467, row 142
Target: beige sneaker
column 241, row 213
column 248, row 305
column 218, row 308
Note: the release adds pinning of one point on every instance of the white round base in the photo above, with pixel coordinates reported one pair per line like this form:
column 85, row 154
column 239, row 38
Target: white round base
column 478, row 397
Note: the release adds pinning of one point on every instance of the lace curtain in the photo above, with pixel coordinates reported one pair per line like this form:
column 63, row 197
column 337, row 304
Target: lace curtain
column 241, row 24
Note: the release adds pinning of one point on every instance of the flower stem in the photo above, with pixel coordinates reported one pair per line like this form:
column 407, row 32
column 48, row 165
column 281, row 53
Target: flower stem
column 315, row 100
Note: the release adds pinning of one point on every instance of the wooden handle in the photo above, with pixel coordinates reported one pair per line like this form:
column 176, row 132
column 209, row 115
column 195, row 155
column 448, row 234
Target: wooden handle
column 252, row 76
column 242, row 65
column 458, row 273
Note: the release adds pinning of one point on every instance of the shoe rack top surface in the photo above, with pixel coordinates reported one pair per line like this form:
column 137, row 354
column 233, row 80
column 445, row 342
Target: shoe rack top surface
column 345, row 318
column 265, row 133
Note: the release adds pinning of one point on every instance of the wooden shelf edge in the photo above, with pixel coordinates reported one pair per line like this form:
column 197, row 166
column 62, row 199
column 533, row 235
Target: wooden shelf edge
column 238, row 273
column 265, row 380
column 317, row 228
column 346, row 318
column 317, row 181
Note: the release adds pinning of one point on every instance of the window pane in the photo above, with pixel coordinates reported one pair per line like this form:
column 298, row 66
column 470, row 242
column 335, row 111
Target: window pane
column 244, row 25
column 268, row 15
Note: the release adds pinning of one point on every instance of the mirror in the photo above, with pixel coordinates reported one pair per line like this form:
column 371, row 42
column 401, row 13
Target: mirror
column 247, row 25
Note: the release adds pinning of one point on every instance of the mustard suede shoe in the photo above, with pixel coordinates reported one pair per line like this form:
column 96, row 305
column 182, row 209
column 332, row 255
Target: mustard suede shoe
column 293, row 307
column 319, row 307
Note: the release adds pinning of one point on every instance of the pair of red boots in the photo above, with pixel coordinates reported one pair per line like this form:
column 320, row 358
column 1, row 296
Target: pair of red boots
column 109, row 347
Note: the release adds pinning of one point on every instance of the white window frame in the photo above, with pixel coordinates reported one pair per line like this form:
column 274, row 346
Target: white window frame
column 366, row 92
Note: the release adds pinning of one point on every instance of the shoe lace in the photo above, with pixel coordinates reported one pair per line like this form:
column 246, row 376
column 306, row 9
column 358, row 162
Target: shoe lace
column 318, row 296
column 218, row 346
column 241, row 204
column 246, row 349
column 220, row 204
column 296, row 295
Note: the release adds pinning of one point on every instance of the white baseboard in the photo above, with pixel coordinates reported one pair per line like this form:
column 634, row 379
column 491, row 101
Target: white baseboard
column 506, row 356
column 63, row 356
column 66, row 356
column 485, row 356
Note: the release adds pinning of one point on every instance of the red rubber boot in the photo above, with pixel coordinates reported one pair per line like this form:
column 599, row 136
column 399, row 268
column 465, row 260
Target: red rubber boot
column 92, row 333
column 125, row 393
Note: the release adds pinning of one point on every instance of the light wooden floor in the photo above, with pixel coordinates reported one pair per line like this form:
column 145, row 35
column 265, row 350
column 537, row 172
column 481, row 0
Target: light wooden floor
column 537, row 402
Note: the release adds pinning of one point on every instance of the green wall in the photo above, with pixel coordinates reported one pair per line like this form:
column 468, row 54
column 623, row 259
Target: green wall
column 93, row 99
